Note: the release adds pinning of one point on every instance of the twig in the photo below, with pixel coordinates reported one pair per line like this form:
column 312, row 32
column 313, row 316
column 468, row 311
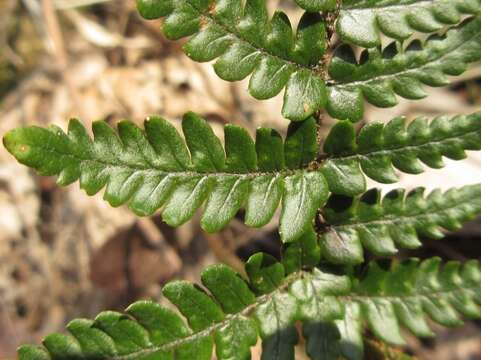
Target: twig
column 223, row 253
column 70, row 4
column 54, row 34
column 7, row 52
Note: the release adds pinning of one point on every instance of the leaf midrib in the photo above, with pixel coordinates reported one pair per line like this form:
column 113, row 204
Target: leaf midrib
column 249, row 175
column 414, row 4
column 138, row 168
column 403, row 148
column 394, row 218
column 428, row 294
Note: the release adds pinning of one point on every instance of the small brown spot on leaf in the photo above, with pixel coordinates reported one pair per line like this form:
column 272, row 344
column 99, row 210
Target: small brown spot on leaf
column 306, row 107
column 24, row 148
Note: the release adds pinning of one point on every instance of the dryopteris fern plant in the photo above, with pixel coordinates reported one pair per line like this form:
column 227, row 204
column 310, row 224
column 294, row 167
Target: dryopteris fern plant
column 327, row 218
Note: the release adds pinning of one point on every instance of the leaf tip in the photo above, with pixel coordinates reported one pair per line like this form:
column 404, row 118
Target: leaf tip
column 14, row 143
column 152, row 9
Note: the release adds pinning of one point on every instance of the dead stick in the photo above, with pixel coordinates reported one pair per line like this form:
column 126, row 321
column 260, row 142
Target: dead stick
column 54, row 32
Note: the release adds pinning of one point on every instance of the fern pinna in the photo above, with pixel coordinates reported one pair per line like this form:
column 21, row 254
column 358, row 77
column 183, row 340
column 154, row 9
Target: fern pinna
column 328, row 218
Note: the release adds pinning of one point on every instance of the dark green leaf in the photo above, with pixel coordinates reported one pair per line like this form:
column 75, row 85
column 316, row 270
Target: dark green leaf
column 304, row 194
column 379, row 146
column 396, row 221
column 245, row 41
column 317, row 5
column 155, row 169
column 381, row 75
column 304, row 252
column 362, row 22
column 331, row 307
column 265, row 272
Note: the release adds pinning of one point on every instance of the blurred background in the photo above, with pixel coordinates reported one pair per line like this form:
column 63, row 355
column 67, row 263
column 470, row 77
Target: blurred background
column 65, row 255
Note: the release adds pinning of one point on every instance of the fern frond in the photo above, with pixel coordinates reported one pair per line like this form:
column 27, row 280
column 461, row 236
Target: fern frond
column 231, row 316
column 154, row 169
column 397, row 220
column 403, row 295
column 362, row 22
column 381, row 75
column 233, row 313
column 380, row 146
column 246, row 41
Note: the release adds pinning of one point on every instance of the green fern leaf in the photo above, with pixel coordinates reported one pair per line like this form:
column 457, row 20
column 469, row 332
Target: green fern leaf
column 229, row 314
column 305, row 252
column 397, row 220
column 405, row 293
column 381, row 75
column 362, row 22
column 246, row 41
column 351, row 344
column 154, row 169
column 380, row 146
column 226, row 314
column 317, row 5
